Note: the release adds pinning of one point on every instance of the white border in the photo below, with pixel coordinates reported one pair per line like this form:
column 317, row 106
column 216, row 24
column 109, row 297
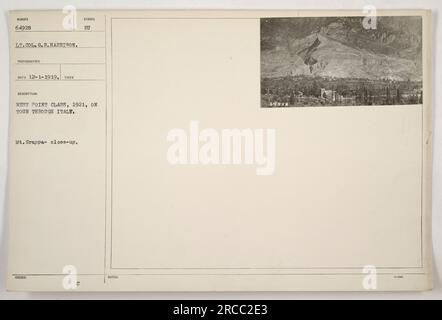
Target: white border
column 434, row 5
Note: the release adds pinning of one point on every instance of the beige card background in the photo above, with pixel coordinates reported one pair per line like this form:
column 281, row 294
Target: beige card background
column 351, row 186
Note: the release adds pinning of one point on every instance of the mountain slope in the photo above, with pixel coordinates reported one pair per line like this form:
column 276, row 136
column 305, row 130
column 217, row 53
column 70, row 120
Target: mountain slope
column 337, row 48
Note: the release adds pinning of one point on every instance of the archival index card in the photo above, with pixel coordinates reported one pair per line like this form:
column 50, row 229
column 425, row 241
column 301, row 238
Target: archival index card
column 219, row 151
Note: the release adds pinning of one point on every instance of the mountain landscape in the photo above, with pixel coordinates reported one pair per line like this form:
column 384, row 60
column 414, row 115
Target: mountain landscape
column 342, row 48
column 336, row 61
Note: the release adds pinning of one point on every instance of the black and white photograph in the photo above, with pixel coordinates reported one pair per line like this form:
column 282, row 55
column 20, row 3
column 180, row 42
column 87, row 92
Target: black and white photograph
column 341, row 61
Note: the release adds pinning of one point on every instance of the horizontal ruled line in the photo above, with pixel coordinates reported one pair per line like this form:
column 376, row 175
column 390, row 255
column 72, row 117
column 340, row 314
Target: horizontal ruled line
column 18, row 31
